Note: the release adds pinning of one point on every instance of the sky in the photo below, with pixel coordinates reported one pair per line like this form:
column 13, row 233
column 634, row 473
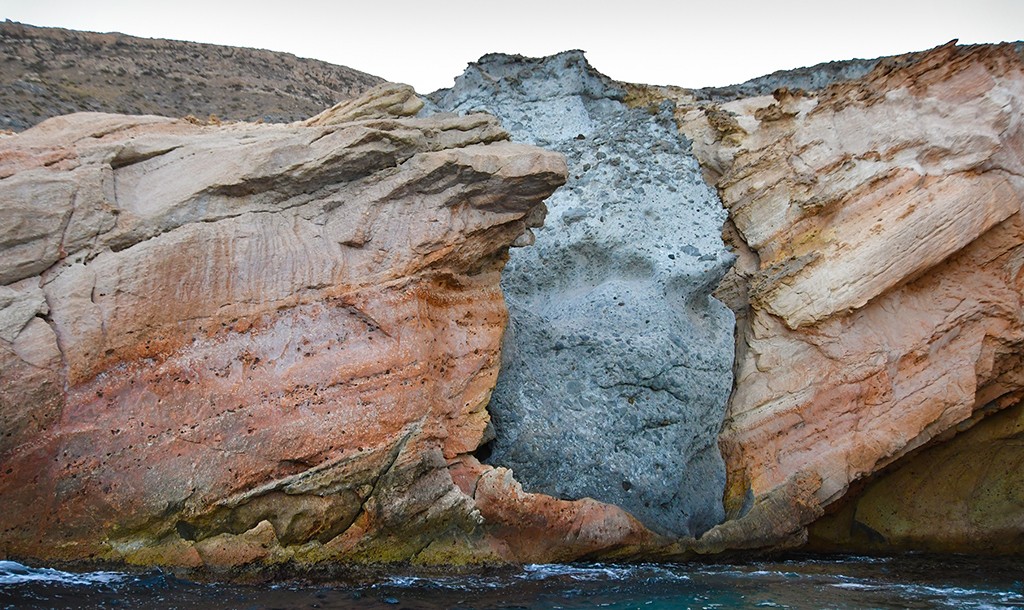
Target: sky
column 428, row 43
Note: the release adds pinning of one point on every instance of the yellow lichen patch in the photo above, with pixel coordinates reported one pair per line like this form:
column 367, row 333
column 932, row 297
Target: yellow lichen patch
column 172, row 552
column 457, row 550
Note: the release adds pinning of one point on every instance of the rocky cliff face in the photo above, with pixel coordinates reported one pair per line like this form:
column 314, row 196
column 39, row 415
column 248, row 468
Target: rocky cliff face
column 616, row 367
column 46, row 72
column 880, row 287
column 244, row 345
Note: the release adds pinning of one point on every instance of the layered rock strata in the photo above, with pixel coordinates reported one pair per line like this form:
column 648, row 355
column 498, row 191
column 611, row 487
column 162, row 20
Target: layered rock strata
column 252, row 344
column 879, row 290
column 616, row 367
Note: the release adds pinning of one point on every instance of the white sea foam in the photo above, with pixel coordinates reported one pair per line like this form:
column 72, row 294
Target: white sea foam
column 13, row 573
column 600, row 572
column 454, row 583
column 592, row 573
column 857, row 586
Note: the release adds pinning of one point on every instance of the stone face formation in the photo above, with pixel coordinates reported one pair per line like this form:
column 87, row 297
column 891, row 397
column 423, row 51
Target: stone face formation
column 617, row 364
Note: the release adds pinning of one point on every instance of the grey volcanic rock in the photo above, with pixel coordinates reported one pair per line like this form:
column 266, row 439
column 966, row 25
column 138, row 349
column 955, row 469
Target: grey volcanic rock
column 617, row 363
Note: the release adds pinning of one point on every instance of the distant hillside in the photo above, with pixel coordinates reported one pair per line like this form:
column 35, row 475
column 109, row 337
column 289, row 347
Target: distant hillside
column 811, row 78
column 46, row 72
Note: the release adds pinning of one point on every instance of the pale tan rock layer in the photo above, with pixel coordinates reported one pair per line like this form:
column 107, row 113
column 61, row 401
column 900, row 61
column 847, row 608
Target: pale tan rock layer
column 880, row 282
column 255, row 343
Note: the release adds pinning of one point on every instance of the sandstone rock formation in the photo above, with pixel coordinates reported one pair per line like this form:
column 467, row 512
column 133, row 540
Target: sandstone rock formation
column 260, row 343
column 616, row 367
column 879, row 290
column 46, row 72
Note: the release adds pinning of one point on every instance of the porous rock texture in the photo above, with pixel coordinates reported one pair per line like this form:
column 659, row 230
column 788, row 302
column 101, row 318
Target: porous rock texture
column 251, row 344
column 617, row 364
column 879, row 291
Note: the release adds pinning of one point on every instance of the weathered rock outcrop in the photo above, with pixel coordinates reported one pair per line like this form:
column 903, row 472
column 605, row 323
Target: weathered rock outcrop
column 811, row 78
column 616, row 367
column 260, row 343
column 879, row 292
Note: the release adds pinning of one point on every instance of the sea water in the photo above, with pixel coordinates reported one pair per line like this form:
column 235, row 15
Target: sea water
column 908, row 581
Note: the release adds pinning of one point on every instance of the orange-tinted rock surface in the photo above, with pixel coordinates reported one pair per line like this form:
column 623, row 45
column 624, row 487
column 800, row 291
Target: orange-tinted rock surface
column 261, row 343
column 880, row 291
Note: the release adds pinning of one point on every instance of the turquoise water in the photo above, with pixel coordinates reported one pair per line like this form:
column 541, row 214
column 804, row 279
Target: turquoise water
column 807, row 582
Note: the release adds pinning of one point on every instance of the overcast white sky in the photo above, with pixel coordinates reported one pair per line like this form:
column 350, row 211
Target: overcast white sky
column 427, row 43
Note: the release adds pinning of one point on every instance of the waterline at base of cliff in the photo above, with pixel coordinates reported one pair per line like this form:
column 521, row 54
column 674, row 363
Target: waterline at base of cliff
column 909, row 581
